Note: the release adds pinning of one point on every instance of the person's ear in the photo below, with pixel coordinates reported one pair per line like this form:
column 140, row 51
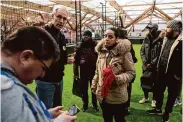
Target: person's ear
column 26, row 55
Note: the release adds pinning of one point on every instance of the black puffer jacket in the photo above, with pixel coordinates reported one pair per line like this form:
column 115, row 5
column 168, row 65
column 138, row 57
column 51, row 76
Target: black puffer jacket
column 150, row 50
column 57, row 69
column 85, row 59
column 174, row 64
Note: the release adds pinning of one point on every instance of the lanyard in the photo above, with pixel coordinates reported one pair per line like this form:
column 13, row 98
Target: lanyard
column 110, row 62
column 46, row 112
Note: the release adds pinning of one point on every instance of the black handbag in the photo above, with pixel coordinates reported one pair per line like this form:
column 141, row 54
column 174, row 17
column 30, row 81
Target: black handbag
column 147, row 80
column 76, row 87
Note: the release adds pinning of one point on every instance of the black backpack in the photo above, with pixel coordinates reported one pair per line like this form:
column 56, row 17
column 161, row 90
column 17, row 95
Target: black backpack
column 147, row 80
column 76, row 88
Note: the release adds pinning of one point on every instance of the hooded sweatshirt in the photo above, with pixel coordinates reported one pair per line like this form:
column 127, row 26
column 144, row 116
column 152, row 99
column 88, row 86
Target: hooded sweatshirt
column 18, row 102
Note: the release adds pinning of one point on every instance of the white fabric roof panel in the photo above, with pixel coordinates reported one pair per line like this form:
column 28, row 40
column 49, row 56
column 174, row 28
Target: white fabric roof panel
column 171, row 8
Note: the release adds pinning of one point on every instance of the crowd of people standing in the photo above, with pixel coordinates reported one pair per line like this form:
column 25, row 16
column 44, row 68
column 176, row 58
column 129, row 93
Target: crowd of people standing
column 33, row 53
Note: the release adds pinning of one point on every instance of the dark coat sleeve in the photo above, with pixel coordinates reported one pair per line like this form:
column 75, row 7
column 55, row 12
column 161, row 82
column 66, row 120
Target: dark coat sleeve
column 157, row 48
column 76, row 61
column 62, row 40
column 142, row 53
column 133, row 54
column 178, row 61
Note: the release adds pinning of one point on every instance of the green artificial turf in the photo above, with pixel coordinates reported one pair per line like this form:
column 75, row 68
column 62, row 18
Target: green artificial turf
column 138, row 111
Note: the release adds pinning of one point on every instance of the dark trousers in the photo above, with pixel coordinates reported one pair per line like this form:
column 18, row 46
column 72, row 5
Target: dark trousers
column 84, row 91
column 166, row 80
column 113, row 110
column 129, row 90
column 179, row 90
column 146, row 92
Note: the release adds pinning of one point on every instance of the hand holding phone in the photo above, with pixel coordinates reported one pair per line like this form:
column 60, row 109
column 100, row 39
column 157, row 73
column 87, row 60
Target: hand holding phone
column 73, row 110
column 65, row 117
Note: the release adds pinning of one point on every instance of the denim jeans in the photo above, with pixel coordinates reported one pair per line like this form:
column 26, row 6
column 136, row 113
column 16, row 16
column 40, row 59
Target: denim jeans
column 50, row 93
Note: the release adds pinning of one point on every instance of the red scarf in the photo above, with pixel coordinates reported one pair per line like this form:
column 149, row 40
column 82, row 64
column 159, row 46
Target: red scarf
column 109, row 77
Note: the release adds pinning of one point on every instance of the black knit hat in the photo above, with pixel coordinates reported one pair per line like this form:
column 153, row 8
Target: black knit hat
column 152, row 26
column 87, row 33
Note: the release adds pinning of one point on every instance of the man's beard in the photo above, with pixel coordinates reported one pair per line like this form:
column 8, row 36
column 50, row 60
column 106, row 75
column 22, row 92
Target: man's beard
column 169, row 34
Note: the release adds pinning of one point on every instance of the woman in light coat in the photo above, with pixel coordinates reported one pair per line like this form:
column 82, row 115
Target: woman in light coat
column 116, row 54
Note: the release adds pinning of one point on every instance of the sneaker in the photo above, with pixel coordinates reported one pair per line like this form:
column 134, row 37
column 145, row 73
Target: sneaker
column 144, row 100
column 165, row 117
column 127, row 111
column 154, row 111
column 153, row 104
column 177, row 102
column 96, row 108
column 85, row 107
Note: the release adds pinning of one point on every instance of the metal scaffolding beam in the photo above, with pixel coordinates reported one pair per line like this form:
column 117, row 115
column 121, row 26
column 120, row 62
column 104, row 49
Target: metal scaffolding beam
column 151, row 4
column 166, row 15
column 178, row 14
column 85, row 9
column 28, row 5
column 115, row 5
column 92, row 21
column 139, row 17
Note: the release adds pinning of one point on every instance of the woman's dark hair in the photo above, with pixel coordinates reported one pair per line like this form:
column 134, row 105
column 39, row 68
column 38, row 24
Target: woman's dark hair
column 36, row 39
column 115, row 31
column 122, row 33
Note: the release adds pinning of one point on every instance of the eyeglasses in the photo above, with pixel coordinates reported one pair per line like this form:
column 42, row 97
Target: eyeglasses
column 45, row 66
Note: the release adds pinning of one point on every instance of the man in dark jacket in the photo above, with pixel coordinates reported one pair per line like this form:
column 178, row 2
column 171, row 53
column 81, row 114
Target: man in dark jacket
column 149, row 55
column 50, row 87
column 169, row 69
column 123, row 35
column 85, row 60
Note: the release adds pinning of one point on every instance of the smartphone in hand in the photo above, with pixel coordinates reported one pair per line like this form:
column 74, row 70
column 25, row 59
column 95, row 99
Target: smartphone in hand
column 73, row 110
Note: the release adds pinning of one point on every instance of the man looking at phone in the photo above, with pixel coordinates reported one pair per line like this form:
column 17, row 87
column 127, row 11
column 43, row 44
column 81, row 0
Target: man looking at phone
column 26, row 55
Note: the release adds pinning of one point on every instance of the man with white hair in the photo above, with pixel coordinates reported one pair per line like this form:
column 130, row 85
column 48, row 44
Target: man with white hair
column 50, row 87
column 169, row 69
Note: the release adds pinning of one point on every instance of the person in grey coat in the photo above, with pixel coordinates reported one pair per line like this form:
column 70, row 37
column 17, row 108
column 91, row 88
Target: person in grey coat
column 26, row 55
column 149, row 55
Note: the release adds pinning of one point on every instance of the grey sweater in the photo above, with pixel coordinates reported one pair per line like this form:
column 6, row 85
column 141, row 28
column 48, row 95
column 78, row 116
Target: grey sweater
column 18, row 102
